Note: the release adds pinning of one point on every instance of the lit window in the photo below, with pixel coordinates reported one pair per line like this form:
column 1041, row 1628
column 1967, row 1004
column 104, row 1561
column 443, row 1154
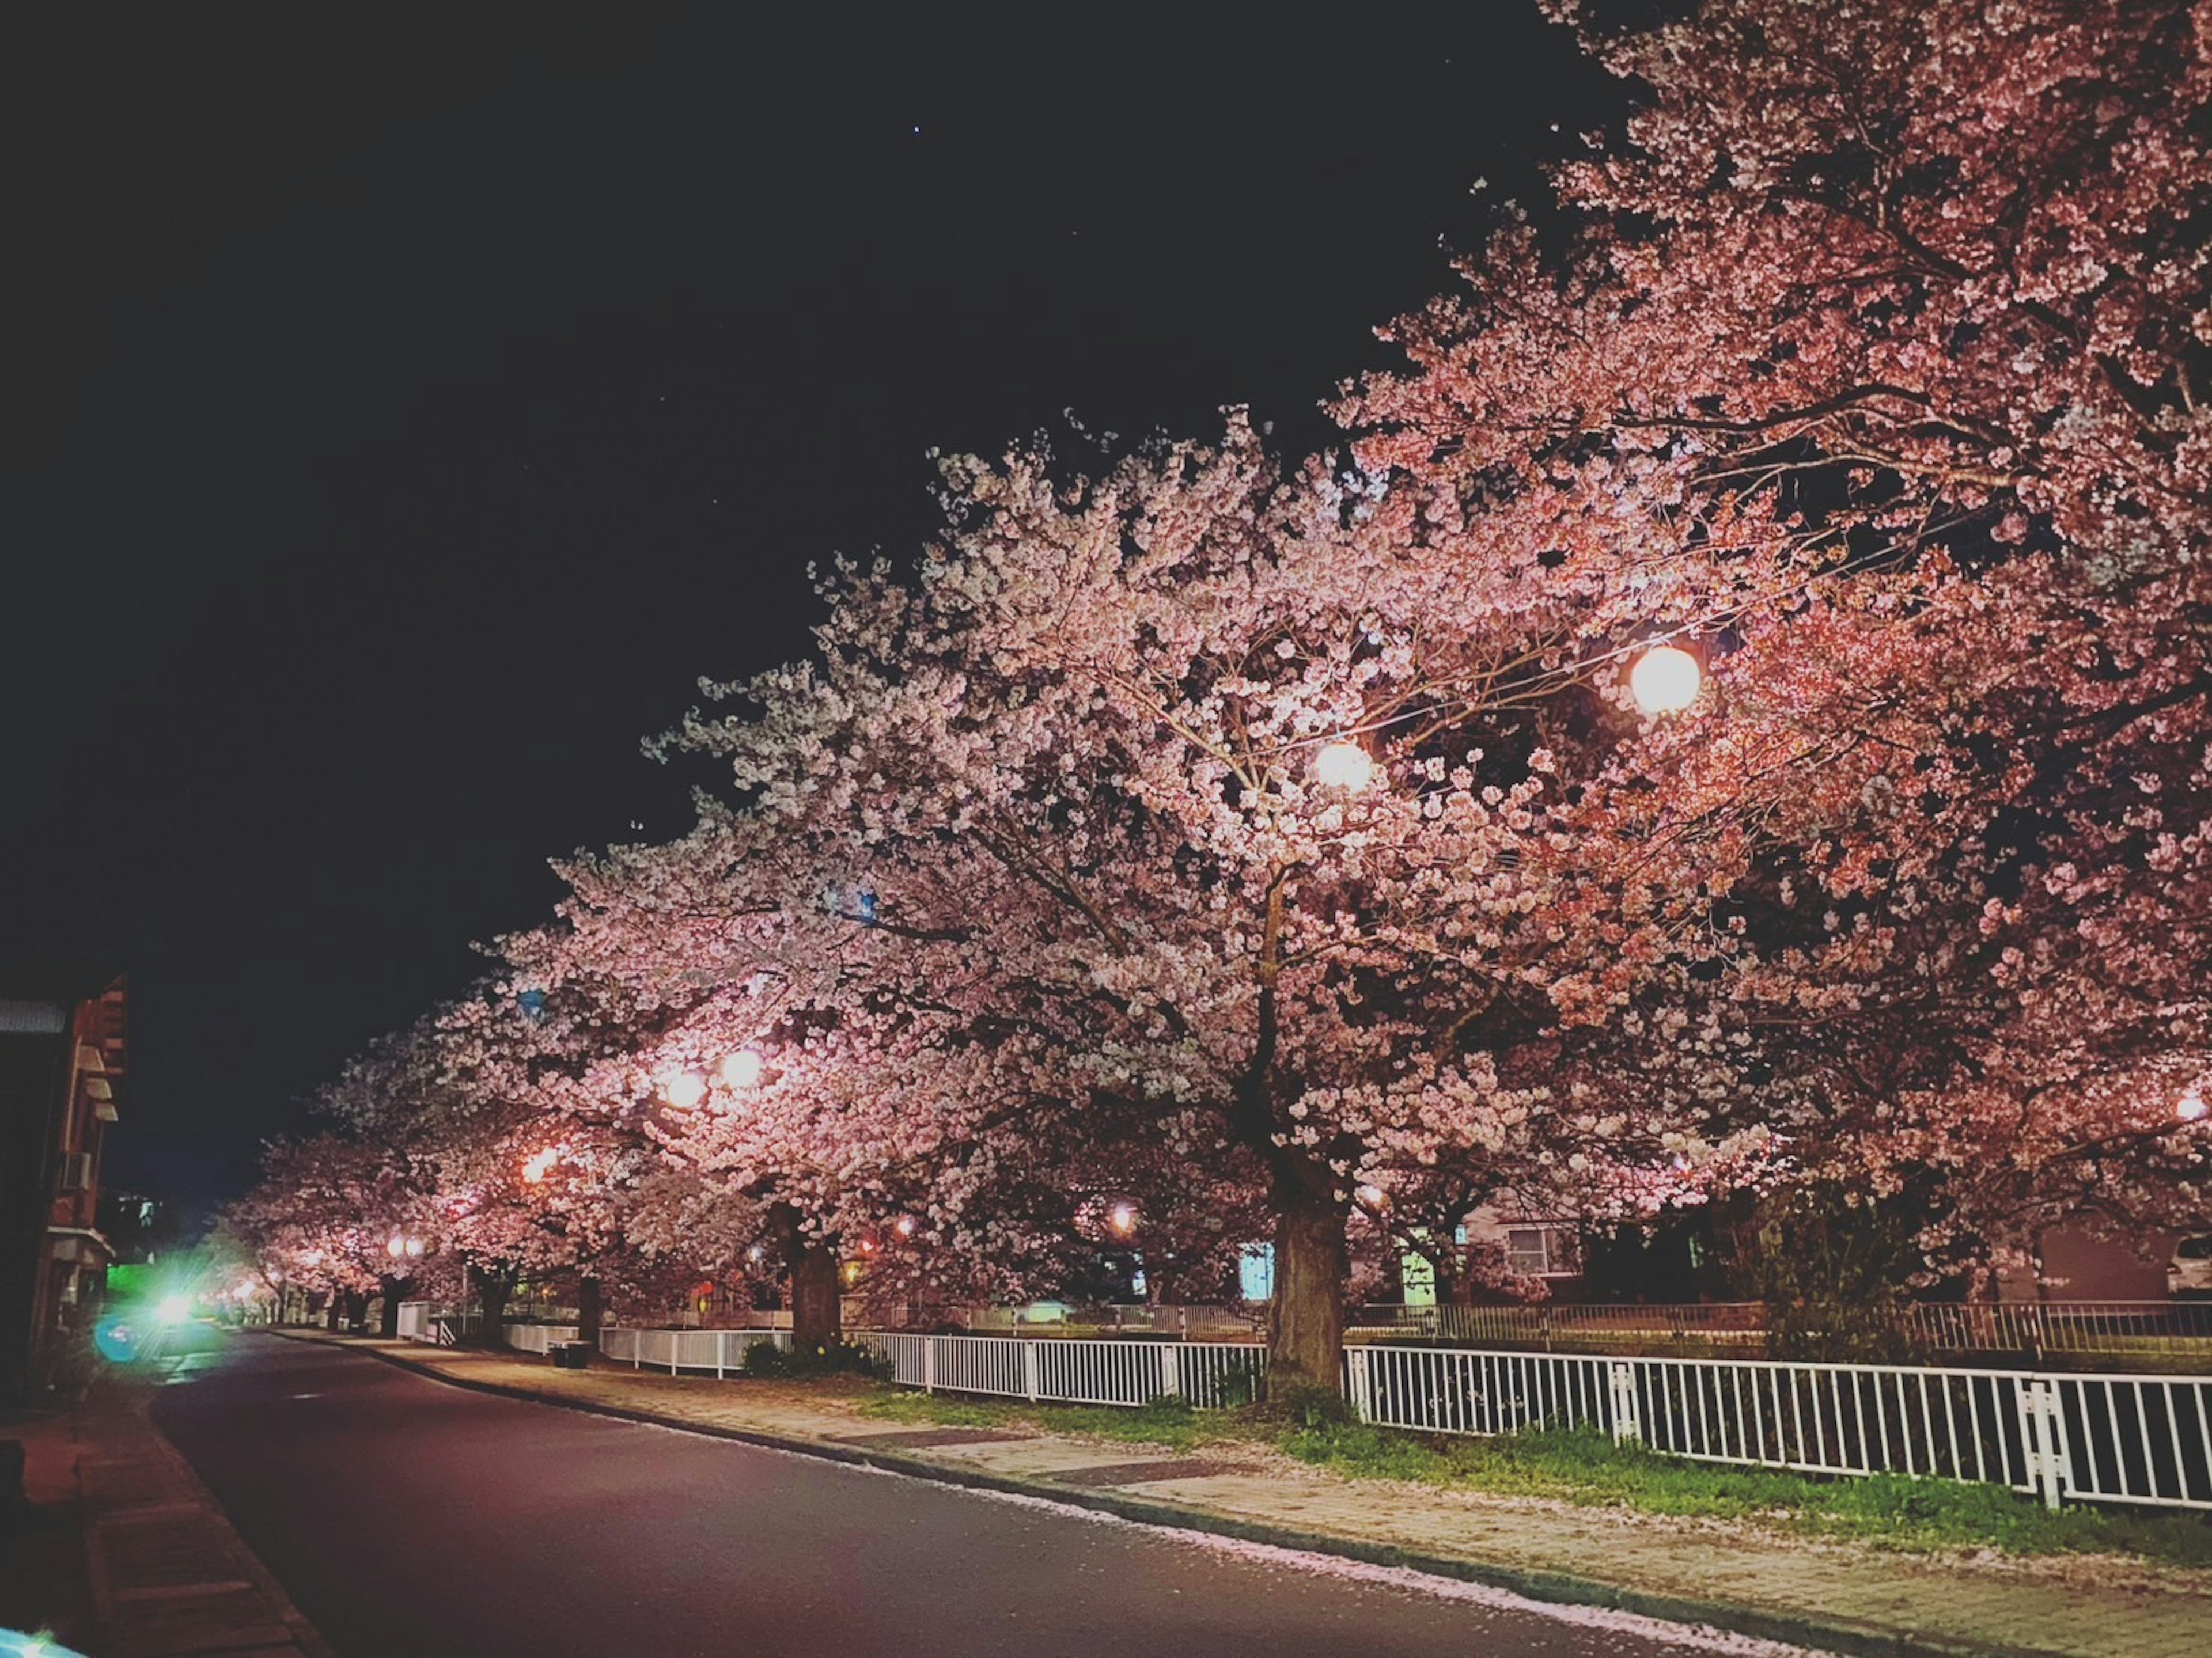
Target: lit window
column 1540, row 1251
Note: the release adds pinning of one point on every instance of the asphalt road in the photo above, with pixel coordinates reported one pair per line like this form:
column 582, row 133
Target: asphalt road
column 406, row 1516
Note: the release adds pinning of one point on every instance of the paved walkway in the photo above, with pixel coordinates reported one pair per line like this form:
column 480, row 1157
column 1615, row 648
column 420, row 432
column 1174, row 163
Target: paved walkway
column 167, row 1574
column 1839, row 1596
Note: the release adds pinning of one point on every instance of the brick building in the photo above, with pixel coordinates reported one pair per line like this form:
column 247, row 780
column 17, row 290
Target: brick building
column 62, row 1055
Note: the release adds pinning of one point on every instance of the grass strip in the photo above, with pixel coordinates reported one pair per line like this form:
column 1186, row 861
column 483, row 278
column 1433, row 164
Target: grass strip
column 1578, row 1466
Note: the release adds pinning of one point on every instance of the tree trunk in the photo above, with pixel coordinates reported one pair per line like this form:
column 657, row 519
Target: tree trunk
column 357, row 1312
column 587, row 1311
column 332, row 1308
column 492, row 1290
column 1305, row 1332
column 395, row 1291
column 815, row 1312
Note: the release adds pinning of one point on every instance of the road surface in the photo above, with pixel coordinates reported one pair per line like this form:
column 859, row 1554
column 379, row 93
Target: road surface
column 408, row 1517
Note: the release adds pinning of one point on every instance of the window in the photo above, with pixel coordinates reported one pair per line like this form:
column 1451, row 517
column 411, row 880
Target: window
column 2194, row 1249
column 1540, row 1251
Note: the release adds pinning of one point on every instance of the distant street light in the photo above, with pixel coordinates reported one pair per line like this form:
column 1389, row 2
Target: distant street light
column 684, row 1089
column 742, row 1069
column 1343, row 765
column 1122, row 1218
column 539, row 1164
column 1666, row 679
column 403, row 1247
column 2192, row 1106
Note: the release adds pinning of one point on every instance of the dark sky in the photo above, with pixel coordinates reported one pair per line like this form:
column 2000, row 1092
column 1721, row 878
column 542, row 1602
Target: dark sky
column 401, row 416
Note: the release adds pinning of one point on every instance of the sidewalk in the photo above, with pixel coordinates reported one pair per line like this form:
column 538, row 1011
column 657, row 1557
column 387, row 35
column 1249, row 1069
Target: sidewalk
column 144, row 1563
column 1835, row 1596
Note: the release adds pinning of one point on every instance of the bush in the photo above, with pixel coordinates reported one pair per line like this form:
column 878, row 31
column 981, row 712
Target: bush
column 839, row 1357
column 765, row 1358
column 1308, row 1405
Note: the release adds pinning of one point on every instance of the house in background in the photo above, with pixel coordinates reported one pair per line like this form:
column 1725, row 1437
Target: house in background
column 63, row 1056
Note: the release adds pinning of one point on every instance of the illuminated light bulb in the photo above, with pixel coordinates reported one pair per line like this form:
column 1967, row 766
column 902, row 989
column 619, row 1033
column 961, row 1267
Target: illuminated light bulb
column 1373, row 1196
column 684, row 1089
column 539, row 1162
column 414, row 1249
column 742, row 1069
column 1122, row 1217
column 904, row 1226
column 2192, row 1106
column 1343, row 765
column 1665, row 680
column 397, row 1247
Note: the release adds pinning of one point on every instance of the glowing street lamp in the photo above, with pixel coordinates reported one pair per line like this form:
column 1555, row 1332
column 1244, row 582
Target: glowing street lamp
column 1122, row 1218
column 742, row 1069
column 539, row 1164
column 2192, row 1107
column 903, row 1226
column 403, row 1247
column 1666, row 679
column 1343, row 765
column 684, row 1089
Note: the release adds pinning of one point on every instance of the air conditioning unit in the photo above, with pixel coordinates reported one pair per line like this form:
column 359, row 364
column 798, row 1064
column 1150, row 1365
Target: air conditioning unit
column 76, row 1171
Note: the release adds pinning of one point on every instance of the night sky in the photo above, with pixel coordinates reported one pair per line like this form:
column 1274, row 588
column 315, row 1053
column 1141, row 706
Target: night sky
column 400, row 422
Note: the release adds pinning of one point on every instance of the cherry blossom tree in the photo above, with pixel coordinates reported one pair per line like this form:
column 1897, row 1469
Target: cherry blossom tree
column 1265, row 813
column 1926, row 287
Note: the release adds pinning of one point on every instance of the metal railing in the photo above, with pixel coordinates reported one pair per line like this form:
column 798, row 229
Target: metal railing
column 2061, row 1327
column 2124, row 1439
column 720, row 1353
column 2029, row 1329
column 2099, row 1438
column 1732, row 1322
column 1101, row 1372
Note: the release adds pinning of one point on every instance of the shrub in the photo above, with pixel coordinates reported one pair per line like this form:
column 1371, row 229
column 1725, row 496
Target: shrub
column 765, row 1358
column 839, row 1357
column 1307, row 1404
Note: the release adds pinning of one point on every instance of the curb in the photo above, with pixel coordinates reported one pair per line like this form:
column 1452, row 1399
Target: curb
column 107, row 1598
column 1561, row 1589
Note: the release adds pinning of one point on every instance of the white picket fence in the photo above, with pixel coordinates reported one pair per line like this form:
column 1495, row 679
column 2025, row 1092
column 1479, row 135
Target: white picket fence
column 539, row 1337
column 2144, row 1439
column 1206, row 1373
column 2122, row 1439
column 719, row 1351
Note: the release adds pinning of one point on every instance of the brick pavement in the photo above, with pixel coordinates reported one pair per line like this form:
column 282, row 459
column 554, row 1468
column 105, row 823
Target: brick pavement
column 168, row 1574
column 1844, row 1596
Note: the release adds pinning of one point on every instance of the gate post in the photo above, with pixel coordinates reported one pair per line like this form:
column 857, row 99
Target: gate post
column 1029, row 1370
column 1359, row 1382
column 1626, row 1429
column 2042, row 1440
column 1171, row 1371
column 929, row 1364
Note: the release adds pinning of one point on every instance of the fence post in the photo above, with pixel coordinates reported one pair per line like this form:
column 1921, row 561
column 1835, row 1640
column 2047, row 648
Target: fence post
column 1626, row 1430
column 2043, row 1440
column 929, row 1364
column 1029, row 1370
column 1170, row 1372
column 1360, row 1380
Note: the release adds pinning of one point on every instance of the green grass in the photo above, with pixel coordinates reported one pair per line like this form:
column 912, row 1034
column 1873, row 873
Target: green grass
column 1893, row 1511
column 1890, row 1510
column 891, row 1404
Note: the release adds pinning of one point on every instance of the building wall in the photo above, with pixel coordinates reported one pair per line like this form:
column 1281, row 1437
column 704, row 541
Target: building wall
column 2079, row 1266
column 60, row 1064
